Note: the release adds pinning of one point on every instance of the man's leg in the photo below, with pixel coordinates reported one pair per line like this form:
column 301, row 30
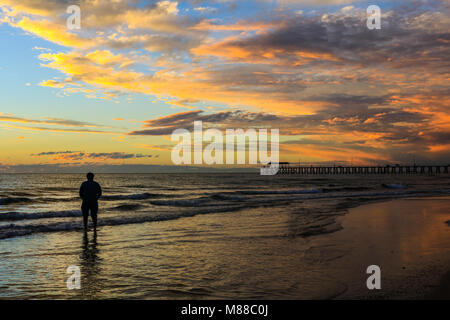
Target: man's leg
column 85, row 222
column 85, row 211
column 94, row 210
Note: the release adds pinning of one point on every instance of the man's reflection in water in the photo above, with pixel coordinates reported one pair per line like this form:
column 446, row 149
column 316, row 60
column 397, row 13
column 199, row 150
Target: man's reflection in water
column 90, row 267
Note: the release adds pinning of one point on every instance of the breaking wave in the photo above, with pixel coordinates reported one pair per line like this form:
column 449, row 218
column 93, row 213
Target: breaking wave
column 14, row 230
column 262, row 192
column 14, row 216
column 12, row 200
column 393, row 186
column 137, row 196
column 128, row 207
column 182, row 202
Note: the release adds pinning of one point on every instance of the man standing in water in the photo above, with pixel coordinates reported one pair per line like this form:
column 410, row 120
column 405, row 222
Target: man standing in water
column 90, row 192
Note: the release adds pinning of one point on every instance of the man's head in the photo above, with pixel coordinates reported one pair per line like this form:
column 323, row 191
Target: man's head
column 90, row 176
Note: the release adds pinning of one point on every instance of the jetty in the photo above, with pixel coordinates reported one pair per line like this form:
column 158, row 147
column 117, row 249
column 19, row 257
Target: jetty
column 292, row 168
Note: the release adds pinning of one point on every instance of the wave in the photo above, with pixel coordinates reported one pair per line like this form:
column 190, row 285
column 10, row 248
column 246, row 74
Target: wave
column 218, row 200
column 281, row 196
column 137, row 196
column 136, row 186
column 46, row 199
column 20, row 194
column 262, row 192
column 11, row 200
column 221, row 196
column 14, row 216
column 127, row 207
column 361, row 195
column 17, row 216
column 58, row 189
column 393, row 186
column 35, row 199
column 14, row 230
column 182, row 202
column 336, row 188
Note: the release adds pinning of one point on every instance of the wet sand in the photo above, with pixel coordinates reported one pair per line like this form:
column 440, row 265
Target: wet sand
column 250, row 254
column 408, row 239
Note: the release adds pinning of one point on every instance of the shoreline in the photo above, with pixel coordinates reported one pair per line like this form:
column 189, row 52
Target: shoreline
column 407, row 238
column 256, row 253
column 348, row 204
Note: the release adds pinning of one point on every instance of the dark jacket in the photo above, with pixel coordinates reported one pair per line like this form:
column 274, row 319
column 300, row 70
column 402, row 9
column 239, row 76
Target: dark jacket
column 90, row 191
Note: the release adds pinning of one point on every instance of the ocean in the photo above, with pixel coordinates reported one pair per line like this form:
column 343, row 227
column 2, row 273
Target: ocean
column 205, row 236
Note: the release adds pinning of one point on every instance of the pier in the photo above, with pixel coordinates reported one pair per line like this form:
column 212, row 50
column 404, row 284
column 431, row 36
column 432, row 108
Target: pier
column 288, row 168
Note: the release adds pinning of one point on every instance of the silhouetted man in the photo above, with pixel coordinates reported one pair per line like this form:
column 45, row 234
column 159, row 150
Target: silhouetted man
column 90, row 192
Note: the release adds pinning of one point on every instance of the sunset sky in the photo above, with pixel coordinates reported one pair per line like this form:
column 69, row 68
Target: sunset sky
column 114, row 91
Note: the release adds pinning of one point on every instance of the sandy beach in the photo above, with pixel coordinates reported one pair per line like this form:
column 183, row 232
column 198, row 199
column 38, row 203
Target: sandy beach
column 249, row 254
column 409, row 239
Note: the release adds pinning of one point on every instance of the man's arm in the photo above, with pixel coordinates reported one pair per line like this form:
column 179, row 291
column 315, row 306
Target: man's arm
column 81, row 190
column 99, row 193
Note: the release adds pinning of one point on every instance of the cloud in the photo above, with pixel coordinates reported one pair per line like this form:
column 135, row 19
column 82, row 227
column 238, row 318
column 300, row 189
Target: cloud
column 205, row 10
column 46, row 120
column 61, row 130
column 98, row 168
column 360, row 126
column 50, row 153
column 316, row 2
column 164, row 147
column 321, row 78
column 358, row 115
column 339, row 38
column 273, row 64
column 104, row 23
column 54, row 32
column 78, row 155
column 117, row 155
column 242, row 25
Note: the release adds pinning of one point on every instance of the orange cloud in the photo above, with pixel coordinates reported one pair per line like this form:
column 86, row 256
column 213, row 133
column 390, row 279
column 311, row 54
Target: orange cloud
column 155, row 147
column 60, row 129
column 209, row 25
column 314, row 153
column 232, row 49
column 187, row 86
column 54, row 32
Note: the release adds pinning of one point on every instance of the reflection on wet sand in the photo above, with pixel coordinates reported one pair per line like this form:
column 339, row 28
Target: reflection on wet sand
column 407, row 238
column 90, row 267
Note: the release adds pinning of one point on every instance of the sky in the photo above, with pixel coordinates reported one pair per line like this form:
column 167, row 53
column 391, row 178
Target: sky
column 112, row 92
